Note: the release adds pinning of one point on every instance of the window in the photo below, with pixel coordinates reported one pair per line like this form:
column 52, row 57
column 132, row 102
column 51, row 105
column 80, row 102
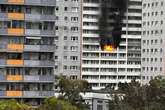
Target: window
column 65, row 57
column 56, row 38
column 56, row 67
column 74, row 58
column 65, row 8
column 74, row 9
column 28, row 10
column 74, row 48
column 56, row 27
column 57, row 8
column 56, row 57
column 74, row 19
column 75, row 29
column 74, row 38
column 65, row 47
column 65, row 37
column 65, row 67
column 73, row 67
column 65, row 28
column 66, row 18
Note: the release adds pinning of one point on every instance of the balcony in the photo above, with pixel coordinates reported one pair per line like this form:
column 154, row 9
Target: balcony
column 2, row 62
column 3, row 48
column 2, row 93
column 38, row 63
column 15, row 31
column 3, row 31
column 2, row 78
column 38, row 93
column 38, row 32
column 39, row 48
column 14, row 93
column 48, row 32
column 14, row 62
column 16, row 16
column 15, row 47
column 3, row 16
column 31, row 93
column 14, row 78
column 41, row 2
column 47, row 93
column 38, row 17
column 18, row 2
column 37, row 78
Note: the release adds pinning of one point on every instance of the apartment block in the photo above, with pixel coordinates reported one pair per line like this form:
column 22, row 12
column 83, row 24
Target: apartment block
column 67, row 39
column 27, row 49
column 152, row 39
column 106, row 61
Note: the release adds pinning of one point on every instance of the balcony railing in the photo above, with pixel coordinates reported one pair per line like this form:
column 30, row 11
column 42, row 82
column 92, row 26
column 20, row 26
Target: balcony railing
column 14, row 77
column 15, row 31
column 41, row 2
column 14, row 62
column 16, row 16
column 38, row 78
column 38, row 63
column 29, row 94
column 18, row 2
column 30, row 2
column 14, row 93
column 28, row 63
column 39, row 17
column 38, row 32
column 38, row 93
column 27, row 78
column 15, row 47
column 39, row 48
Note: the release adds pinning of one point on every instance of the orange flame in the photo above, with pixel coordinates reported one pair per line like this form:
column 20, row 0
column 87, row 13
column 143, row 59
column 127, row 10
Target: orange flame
column 109, row 48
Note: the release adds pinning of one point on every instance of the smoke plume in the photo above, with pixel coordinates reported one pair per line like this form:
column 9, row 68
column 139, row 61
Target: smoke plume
column 112, row 15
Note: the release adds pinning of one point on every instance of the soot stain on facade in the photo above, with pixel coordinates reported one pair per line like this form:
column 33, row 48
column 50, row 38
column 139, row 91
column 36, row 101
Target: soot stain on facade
column 110, row 23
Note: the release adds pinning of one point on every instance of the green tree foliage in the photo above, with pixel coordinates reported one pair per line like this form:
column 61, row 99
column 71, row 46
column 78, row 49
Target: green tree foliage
column 71, row 90
column 56, row 104
column 13, row 105
column 134, row 96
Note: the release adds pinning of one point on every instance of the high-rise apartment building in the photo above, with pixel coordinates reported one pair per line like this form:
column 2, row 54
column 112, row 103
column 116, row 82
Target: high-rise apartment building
column 67, row 39
column 27, row 49
column 105, row 60
column 152, row 39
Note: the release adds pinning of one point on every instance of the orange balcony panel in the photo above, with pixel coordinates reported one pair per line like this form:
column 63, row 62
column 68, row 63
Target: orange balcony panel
column 16, row 31
column 15, row 47
column 16, row 16
column 19, row 2
column 14, row 93
column 14, row 77
column 15, row 62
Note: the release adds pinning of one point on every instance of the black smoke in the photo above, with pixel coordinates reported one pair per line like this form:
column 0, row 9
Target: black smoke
column 112, row 15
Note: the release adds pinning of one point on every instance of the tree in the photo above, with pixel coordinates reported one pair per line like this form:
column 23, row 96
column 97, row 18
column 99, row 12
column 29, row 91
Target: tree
column 13, row 105
column 134, row 96
column 71, row 89
column 56, row 104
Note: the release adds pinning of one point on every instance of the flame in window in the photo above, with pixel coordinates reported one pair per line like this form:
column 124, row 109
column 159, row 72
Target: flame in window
column 109, row 48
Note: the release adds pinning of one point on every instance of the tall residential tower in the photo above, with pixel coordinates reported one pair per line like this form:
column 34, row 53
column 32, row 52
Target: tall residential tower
column 67, row 39
column 153, row 39
column 27, row 49
column 105, row 60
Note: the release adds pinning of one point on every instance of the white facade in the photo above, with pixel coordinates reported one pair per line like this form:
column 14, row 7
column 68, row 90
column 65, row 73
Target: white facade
column 153, row 39
column 99, row 67
column 67, row 40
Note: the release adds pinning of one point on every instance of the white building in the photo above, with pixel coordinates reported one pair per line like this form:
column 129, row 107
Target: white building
column 153, row 39
column 101, row 67
column 67, row 39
